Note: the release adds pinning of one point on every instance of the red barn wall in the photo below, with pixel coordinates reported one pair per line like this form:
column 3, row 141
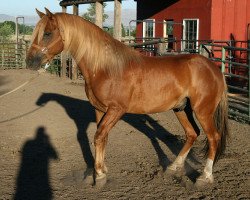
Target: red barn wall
column 217, row 18
column 188, row 9
column 179, row 10
column 230, row 16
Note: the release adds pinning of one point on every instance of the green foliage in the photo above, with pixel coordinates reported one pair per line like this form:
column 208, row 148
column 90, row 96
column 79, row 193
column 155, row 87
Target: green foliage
column 23, row 29
column 110, row 30
column 123, row 31
column 6, row 31
column 133, row 32
column 90, row 14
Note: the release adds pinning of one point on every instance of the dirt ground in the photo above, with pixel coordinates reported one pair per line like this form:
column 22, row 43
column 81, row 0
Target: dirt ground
column 46, row 144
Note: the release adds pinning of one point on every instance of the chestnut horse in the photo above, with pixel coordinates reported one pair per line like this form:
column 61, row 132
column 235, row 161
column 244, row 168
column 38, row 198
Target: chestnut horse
column 120, row 80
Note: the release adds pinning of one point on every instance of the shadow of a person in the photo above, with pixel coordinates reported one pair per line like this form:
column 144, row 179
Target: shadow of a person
column 33, row 178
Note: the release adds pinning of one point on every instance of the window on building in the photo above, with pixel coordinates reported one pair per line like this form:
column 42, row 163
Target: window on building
column 149, row 28
column 168, row 32
column 190, row 34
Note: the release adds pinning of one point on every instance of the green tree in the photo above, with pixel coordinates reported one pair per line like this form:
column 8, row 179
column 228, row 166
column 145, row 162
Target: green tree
column 23, row 29
column 6, row 31
column 109, row 30
column 10, row 23
column 90, row 14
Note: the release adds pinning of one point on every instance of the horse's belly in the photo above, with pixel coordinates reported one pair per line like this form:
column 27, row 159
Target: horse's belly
column 152, row 104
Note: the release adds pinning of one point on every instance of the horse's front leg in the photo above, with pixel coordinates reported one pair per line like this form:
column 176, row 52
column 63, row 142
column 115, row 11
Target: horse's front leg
column 106, row 122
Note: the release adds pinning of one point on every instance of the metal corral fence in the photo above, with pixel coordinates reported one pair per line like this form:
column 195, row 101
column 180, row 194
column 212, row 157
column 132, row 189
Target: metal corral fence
column 13, row 55
column 235, row 64
column 232, row 56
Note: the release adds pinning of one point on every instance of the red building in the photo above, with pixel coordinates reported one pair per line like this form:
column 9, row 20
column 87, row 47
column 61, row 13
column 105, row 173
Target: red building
column 194, row 19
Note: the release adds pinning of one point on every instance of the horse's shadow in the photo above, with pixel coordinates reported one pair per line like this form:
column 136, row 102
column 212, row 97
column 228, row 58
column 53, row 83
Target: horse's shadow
column 82, row 112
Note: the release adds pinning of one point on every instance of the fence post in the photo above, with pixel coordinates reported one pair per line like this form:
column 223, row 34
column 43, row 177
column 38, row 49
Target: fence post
column 223, row 59
column 3, row 57
column 248, row 56
column 200, row 48
column 63, row 71
column 23, row 46
column 161, row 50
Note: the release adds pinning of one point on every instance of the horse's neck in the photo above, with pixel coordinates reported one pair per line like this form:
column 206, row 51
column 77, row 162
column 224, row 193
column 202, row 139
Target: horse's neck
column 86, row 72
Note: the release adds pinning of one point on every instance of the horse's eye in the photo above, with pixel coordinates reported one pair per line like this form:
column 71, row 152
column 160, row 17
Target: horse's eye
column 47, row 34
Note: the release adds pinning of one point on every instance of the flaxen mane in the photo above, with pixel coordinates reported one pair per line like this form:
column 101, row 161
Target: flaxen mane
column 99, row 50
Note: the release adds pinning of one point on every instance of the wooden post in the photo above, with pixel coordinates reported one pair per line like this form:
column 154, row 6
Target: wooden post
column 117, row 20
column 161, row 50
column 99, row 13
column 74, row 64
column 63, row 54
column 75, row 9
column 64, row 9
column 3, row 57
column 16, row 46
column 223, row 59
column 248, row 57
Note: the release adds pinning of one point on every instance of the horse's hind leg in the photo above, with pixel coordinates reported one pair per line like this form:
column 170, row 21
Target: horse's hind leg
column 186, row 119
column 208, row 125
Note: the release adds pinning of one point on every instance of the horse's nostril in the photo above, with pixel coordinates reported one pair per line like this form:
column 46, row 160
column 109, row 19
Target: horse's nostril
column 33, row 62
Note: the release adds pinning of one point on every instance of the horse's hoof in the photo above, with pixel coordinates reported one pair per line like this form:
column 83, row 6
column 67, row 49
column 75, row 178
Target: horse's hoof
column 175, row 172
column 100, row 180
column 88, row 180
column 204, row 181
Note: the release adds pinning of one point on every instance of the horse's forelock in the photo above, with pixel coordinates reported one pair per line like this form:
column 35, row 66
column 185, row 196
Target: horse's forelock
column 39, row 30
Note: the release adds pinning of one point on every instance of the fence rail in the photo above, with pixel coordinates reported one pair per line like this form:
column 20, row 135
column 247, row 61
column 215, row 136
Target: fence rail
column 234, row 62
column 237, row 72
column 12, row 55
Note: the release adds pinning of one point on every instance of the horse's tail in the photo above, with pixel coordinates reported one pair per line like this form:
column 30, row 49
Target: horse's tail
column 221, row 123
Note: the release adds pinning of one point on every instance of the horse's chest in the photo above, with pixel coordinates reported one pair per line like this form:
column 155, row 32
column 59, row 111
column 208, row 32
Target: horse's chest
column 93, row 98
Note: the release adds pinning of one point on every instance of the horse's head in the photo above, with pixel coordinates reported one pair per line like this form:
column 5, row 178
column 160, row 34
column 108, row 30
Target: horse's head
column 45, row 98
column 47, row 41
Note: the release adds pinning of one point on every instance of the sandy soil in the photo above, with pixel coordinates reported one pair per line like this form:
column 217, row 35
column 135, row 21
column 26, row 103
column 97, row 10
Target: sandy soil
column 46, row 144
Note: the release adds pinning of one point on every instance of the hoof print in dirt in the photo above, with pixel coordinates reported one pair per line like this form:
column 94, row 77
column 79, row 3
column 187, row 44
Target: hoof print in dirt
column 79, row 177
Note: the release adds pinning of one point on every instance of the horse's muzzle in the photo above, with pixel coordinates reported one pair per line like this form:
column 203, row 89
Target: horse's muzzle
column 34, row 62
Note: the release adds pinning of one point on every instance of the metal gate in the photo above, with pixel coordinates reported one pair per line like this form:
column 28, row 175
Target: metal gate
column 235, row 64
column 12, row 55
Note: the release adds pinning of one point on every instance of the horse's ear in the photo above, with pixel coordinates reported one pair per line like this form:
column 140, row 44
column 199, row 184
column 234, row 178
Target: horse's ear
column 48, row 13
column 40, row 13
